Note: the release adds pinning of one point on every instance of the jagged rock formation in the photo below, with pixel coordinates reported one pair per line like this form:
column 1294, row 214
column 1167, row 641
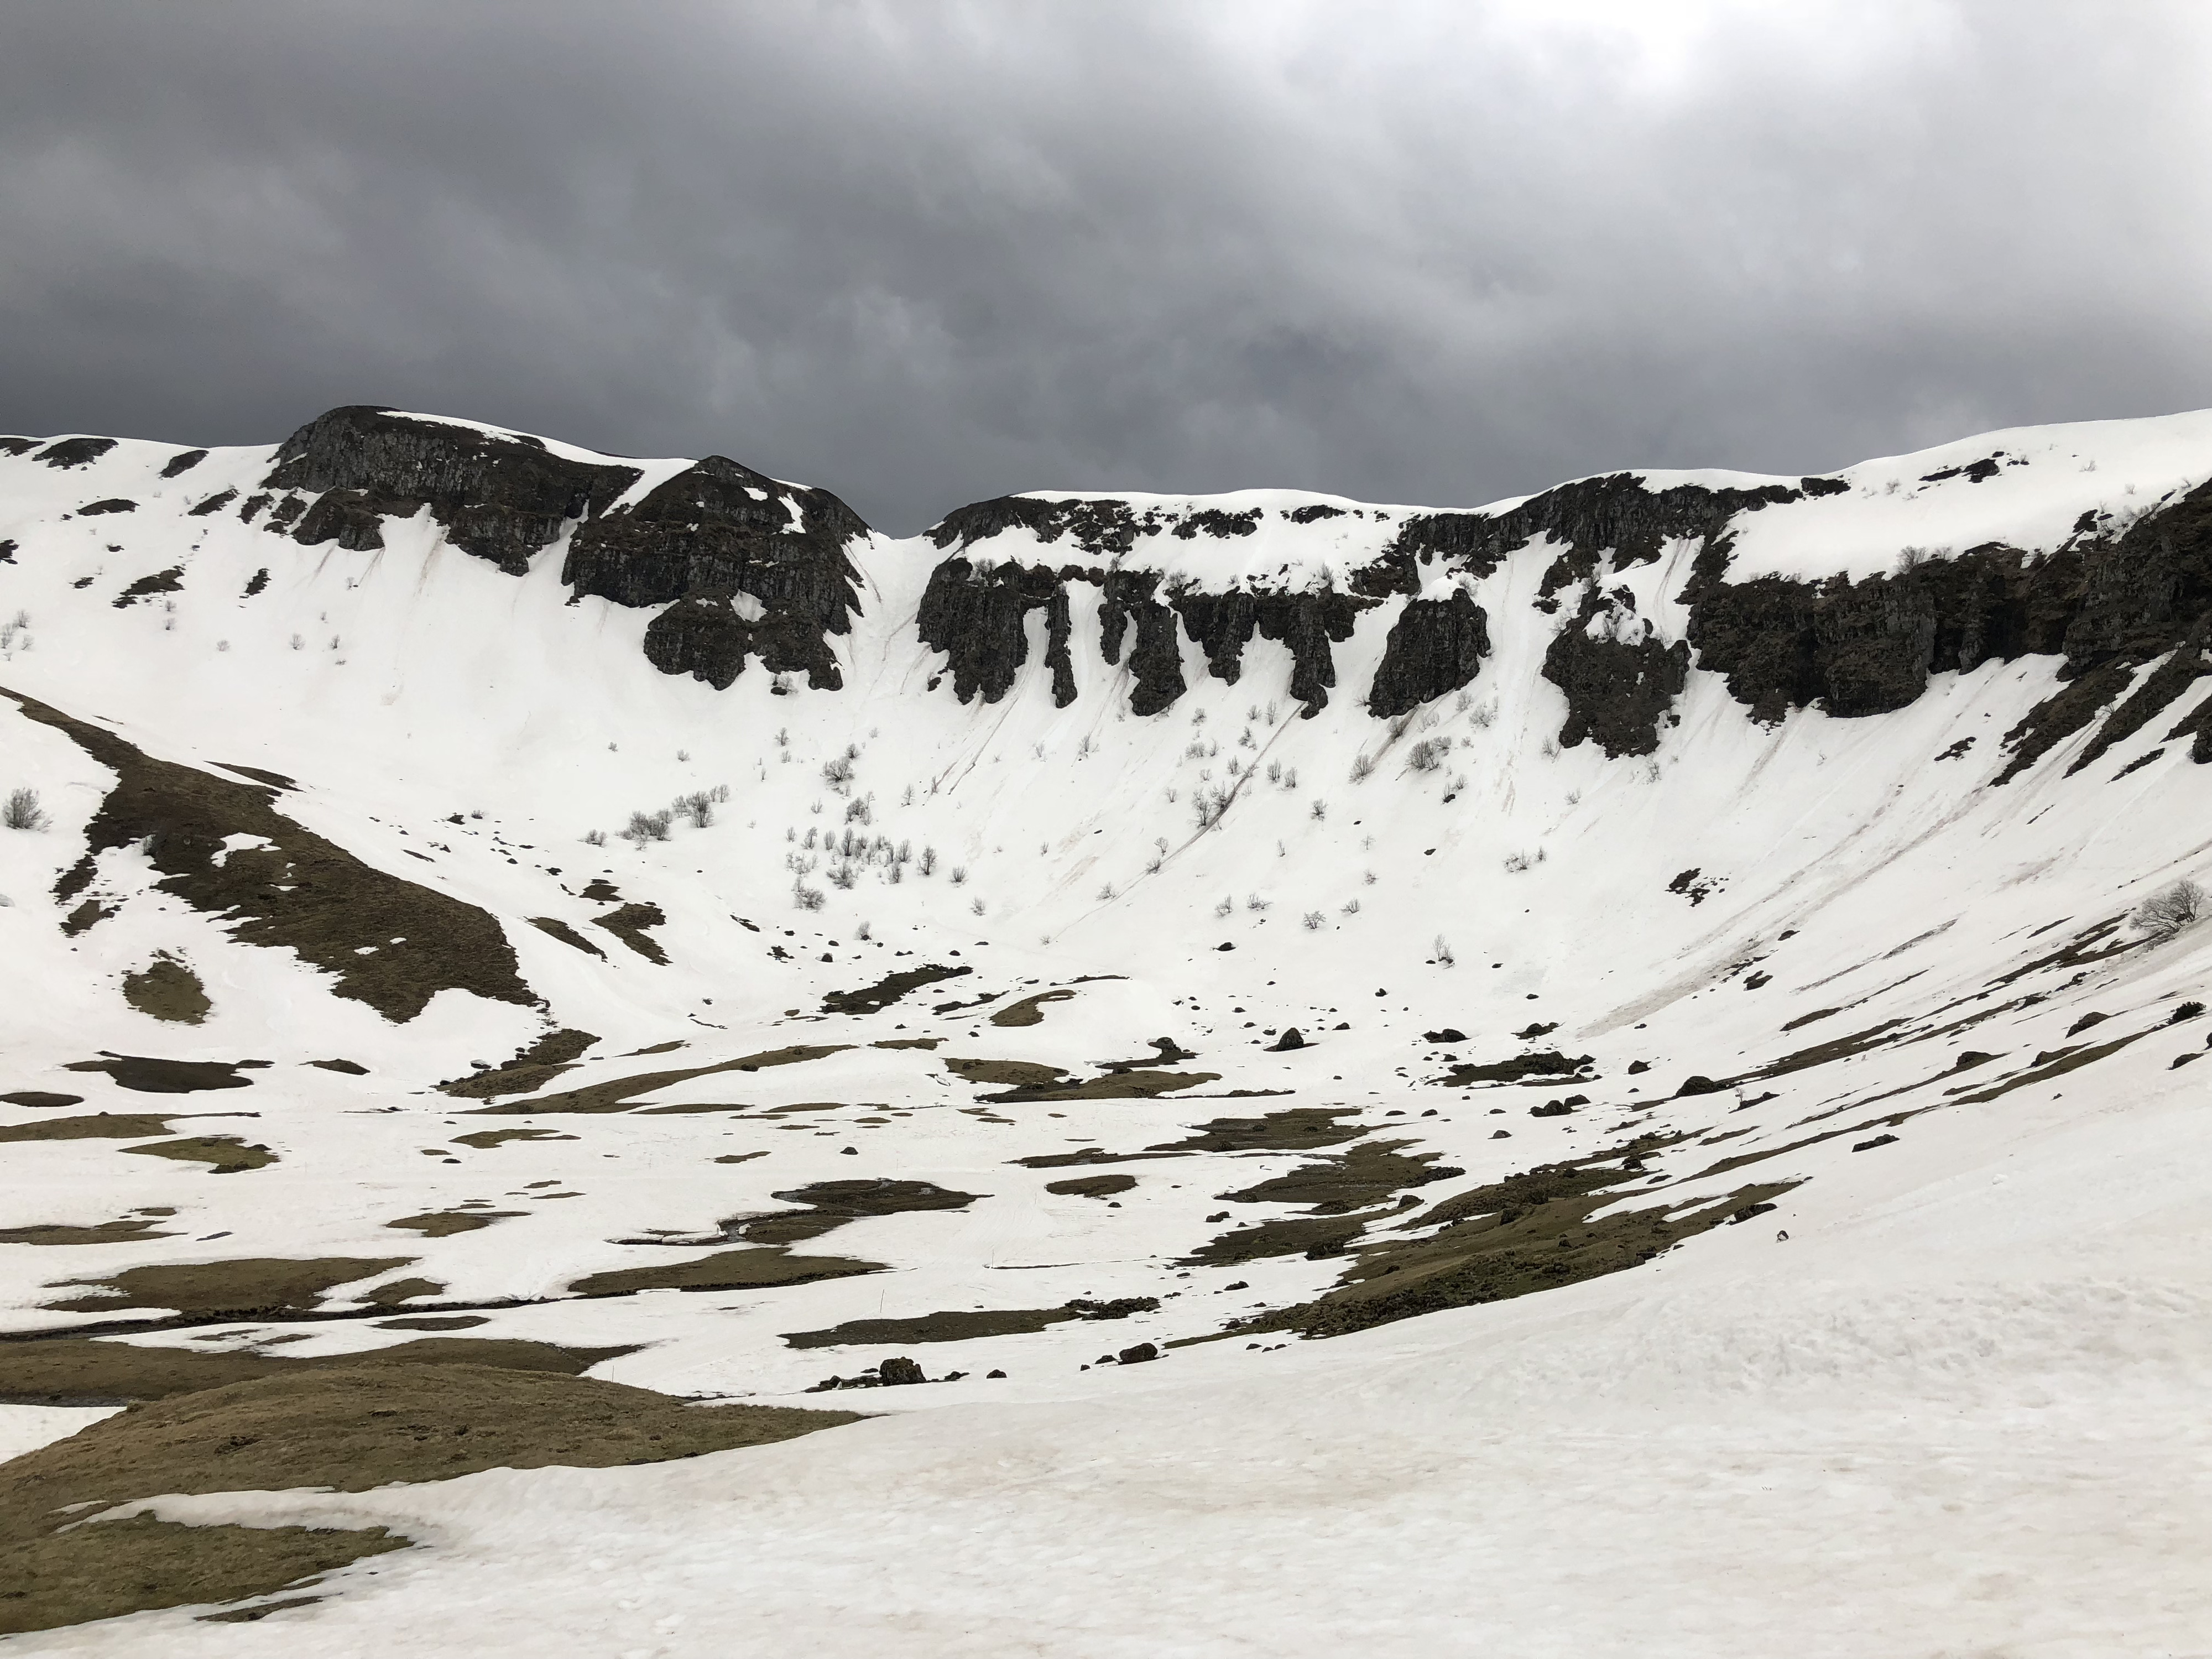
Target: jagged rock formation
column 500, row 498
column 746, row 565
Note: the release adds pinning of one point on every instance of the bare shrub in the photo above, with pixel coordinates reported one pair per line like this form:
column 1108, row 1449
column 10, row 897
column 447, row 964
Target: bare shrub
column 2161, row 916
column 959, row 875
column 23, row 811
column 698, row 806
column 927, row 863
column 1445, row 959
column 646, row 826
column 1226, row 908
column 1362, row 768
column 1312, row 921
column 807, row 898
column 1428, row 754
column 595, row 838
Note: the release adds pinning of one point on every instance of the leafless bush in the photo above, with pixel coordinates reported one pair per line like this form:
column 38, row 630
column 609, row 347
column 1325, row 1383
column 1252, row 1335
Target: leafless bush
column 838, row 772
column 976, row 905
column 807, row 898
column 959, row 875
column 595, row 838
column 1313, row 921
column 23, row 811
column 1226, row 908
column 698, row 806
column 843, row 876
column 647, row 826
column 927, row 863
column 2162, row 915
column 1443, row 955
column 1428, row 754
column 1352, row 907
column 1320, row 811
column 1362, row 768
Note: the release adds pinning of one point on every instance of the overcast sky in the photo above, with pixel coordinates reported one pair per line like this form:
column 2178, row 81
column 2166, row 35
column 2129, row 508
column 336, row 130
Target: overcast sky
column 924, row 254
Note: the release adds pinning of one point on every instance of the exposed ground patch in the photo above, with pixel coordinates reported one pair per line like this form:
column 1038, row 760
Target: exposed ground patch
column 222, row 1154
column 443, row 1223
column 387, row 942
column 149, row 1075
column 528, row 1072
column 1029, row 1010
column 869, row 998
column 255, row 1287
column 349, row 1428
column 125, row 1230
column 727, row 1270
column 73, row 1370
column 167, row 989
column 616, row 1094
column 1533, row 1232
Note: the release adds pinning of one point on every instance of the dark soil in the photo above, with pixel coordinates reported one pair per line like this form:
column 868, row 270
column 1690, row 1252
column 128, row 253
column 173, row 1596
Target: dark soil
column 222, row 1154
column 727, row 1270
column 528, row 1072
column 1358, row 1179
column 165, row 1077
column 484, row 1140
column 1550, row 1063
column 628, row 924
column 441, row 1224
column 302, row 893
column 554, row 927
column 41, row 1097
column 885, row 992
column 258, row 1287
column 125, row 1230
column 69, row 1370
column 167, row 990
column 351, row 1427
column 1309, row 1236
column 1029, row 1010
column 930, row 1327
column 1529, row 1233
column 1098, row 1186
column 1298, row 1129
column 99, row 1125
column 616, row 1095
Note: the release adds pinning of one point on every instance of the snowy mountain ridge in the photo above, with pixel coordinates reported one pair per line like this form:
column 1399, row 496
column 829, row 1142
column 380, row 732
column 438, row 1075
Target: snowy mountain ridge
column 497, row 889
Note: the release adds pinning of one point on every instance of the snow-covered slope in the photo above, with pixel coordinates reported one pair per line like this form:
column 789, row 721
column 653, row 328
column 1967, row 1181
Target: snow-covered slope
column 1702, row 899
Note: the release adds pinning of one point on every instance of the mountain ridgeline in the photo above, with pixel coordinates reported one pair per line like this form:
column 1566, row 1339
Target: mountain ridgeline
column 738, row 566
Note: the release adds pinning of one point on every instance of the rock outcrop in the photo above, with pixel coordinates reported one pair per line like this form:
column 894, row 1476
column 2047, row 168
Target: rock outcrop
column 746, row 565
column 501, row 498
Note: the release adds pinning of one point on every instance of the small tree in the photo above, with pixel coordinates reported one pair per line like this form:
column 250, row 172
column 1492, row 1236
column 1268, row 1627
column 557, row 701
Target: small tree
column 23, row 811
column 2162, row 915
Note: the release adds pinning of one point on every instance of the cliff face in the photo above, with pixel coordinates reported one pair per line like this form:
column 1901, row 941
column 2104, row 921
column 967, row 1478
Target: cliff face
column 746, row 565
column 499, row 498
column 1643, row 581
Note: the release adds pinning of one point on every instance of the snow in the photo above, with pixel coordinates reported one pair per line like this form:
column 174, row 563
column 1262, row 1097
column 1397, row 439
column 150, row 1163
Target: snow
column 1959, row 1410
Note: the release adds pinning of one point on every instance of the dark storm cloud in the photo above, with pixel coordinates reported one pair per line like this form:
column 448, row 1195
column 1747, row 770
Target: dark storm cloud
column 925, row 253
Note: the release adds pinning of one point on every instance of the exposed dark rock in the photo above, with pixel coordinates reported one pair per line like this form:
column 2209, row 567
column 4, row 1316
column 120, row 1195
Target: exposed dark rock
column 215, row 503
column 75, row 452
column 113, row 504
column 1156, row 659
column 1290, row 1039
column 1101, row 528
column 171, row 580
column 7, row 552
column 712, row 533
column 13, row 446
column 976, row 618
column 1620, row 685
column 183, row 462
column 1434, row 647
column 500, row 498
column 2160, row 688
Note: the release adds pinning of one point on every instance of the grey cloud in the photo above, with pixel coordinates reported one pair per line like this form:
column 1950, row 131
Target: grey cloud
column 926, row 253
